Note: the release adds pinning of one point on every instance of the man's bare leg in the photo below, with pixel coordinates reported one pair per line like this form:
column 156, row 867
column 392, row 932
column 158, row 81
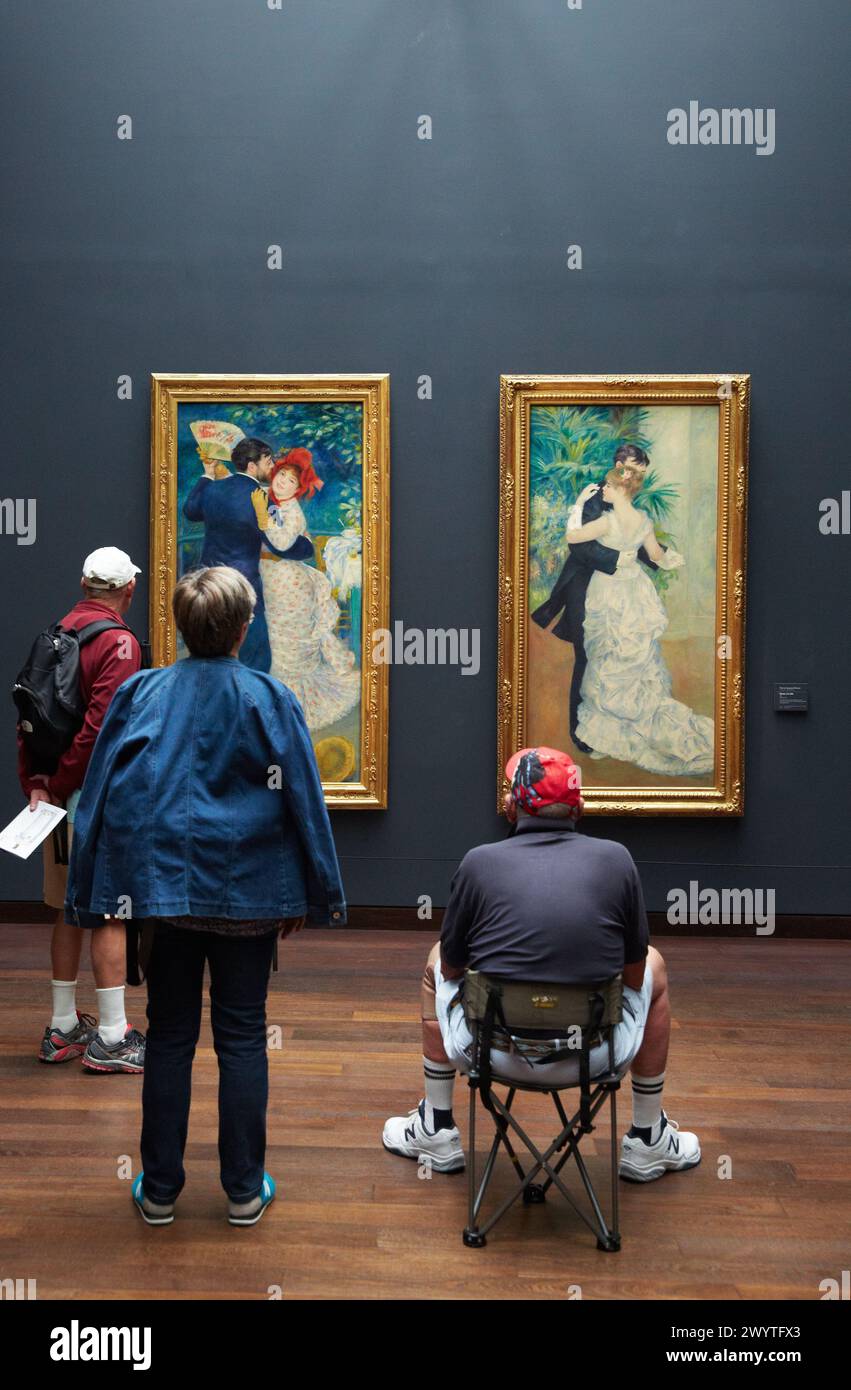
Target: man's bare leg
column 652, row 1056
column 109, row 955
column 438, row 1070
column 433, row 1048
column 109, row 963
column 69, row 1033
column 430, row 1133
column 654, row 1145
column 66, row 944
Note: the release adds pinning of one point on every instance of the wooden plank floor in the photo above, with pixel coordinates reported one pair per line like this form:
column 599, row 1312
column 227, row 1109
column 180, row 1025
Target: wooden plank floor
column 759, row 1068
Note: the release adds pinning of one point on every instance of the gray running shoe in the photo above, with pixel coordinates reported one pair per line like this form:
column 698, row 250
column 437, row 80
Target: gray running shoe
column 57, row 1046
column 249, row 1213
column 126, row 1055
column 154, row 1213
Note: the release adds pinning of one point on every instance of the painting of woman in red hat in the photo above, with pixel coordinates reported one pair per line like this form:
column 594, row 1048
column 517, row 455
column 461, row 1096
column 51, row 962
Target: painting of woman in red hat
column 302, row 612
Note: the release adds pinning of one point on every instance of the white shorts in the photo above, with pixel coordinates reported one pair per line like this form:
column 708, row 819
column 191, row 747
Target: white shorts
column 458, row 1041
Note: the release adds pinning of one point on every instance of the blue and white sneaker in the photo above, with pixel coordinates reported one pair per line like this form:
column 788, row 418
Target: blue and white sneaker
column 249, row 1213
column 673, row 1151
column 152, row 1212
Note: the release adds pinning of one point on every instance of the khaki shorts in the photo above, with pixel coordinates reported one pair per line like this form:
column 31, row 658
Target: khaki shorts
column 55, row 875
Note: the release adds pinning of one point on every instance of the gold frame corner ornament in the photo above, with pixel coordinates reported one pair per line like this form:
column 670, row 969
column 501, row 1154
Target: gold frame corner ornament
column 731, row 394
column 372, row 390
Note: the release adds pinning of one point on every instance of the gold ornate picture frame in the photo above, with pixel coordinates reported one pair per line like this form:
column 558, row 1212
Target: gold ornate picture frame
column 558, row 437
column 341, row 424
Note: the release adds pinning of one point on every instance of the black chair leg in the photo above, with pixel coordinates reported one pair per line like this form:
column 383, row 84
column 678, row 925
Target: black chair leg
column 472, row 1236
column 566, row 1145
column 614, row 1234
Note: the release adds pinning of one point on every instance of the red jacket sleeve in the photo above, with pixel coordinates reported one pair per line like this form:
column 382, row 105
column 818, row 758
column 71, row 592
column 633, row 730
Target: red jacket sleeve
column 114, row 655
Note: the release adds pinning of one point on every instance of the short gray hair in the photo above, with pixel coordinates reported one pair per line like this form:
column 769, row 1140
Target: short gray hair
column 105, row 592
column 210, row 607
column 557, row 810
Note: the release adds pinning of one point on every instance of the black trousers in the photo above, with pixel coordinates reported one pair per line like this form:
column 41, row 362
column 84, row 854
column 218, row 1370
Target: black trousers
column 239, row 978
column 580, row 661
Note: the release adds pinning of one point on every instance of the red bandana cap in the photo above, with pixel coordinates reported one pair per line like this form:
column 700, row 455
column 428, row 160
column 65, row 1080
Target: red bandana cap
column 543, row 777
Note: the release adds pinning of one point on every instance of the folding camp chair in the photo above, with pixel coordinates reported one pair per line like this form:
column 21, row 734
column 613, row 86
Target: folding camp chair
column 581, row 1016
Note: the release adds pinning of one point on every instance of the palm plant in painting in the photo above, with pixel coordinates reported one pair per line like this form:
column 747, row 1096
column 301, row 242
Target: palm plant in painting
column 570, row 447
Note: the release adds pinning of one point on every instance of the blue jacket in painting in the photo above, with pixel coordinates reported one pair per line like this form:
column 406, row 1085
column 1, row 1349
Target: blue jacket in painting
column 232, row 534
column 203, row 798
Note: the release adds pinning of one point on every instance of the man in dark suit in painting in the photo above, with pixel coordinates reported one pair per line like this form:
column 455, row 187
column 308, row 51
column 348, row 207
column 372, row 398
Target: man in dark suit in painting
column 568, row 595
column 234, row 510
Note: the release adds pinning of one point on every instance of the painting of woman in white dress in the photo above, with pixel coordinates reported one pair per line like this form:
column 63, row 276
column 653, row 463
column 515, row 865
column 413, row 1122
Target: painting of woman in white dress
column 626, row 709
column 622, row 555
column 303, row 616
column 621, row 635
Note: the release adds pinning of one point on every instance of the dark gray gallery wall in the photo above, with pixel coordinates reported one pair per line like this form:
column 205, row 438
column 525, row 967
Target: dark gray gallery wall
column 298, row 126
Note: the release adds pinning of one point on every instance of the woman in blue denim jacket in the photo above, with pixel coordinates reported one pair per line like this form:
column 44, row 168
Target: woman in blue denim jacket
column 202, row 810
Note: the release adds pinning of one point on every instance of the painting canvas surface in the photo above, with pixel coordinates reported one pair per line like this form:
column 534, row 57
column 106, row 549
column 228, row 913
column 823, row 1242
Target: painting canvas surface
column 650, row 633
column 312, row 604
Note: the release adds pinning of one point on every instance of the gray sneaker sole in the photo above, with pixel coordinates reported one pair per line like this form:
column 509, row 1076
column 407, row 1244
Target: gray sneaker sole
column 440, row 1165
column 66, row 1054
column 132, row 1068
column 636, row 1173
column 153, row 1220
column 250, row 1220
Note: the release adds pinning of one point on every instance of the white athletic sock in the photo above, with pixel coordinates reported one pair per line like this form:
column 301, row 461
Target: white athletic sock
column 64, row 1005
column 112, row 1021
column 439, row 1086
column 647, row 1103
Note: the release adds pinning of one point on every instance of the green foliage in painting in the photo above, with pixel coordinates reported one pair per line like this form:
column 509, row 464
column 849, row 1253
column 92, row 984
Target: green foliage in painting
column 332, row 426
column 570, row 447
column 350, row 507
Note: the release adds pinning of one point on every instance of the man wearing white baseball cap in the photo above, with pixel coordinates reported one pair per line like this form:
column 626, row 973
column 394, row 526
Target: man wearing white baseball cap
column 98, row 656
column 108, row 568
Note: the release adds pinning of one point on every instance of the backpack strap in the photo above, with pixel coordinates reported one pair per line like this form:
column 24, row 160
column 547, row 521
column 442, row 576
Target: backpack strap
column 91, row 630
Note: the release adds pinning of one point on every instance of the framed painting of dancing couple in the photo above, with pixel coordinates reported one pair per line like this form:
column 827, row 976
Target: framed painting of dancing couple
column 286, row 478
column 622, row 585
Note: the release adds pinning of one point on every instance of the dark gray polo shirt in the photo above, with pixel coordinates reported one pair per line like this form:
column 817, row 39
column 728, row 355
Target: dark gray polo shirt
column 548, row 904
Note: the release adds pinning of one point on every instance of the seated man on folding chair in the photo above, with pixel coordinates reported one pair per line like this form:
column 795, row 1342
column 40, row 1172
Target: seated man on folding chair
column 552, row 905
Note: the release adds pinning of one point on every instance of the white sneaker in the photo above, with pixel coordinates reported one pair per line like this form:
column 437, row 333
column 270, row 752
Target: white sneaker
column 408, row 1136
column 674, row 1150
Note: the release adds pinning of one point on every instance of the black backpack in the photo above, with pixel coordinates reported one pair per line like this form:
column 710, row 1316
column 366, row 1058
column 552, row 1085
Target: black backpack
column 47, row 692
